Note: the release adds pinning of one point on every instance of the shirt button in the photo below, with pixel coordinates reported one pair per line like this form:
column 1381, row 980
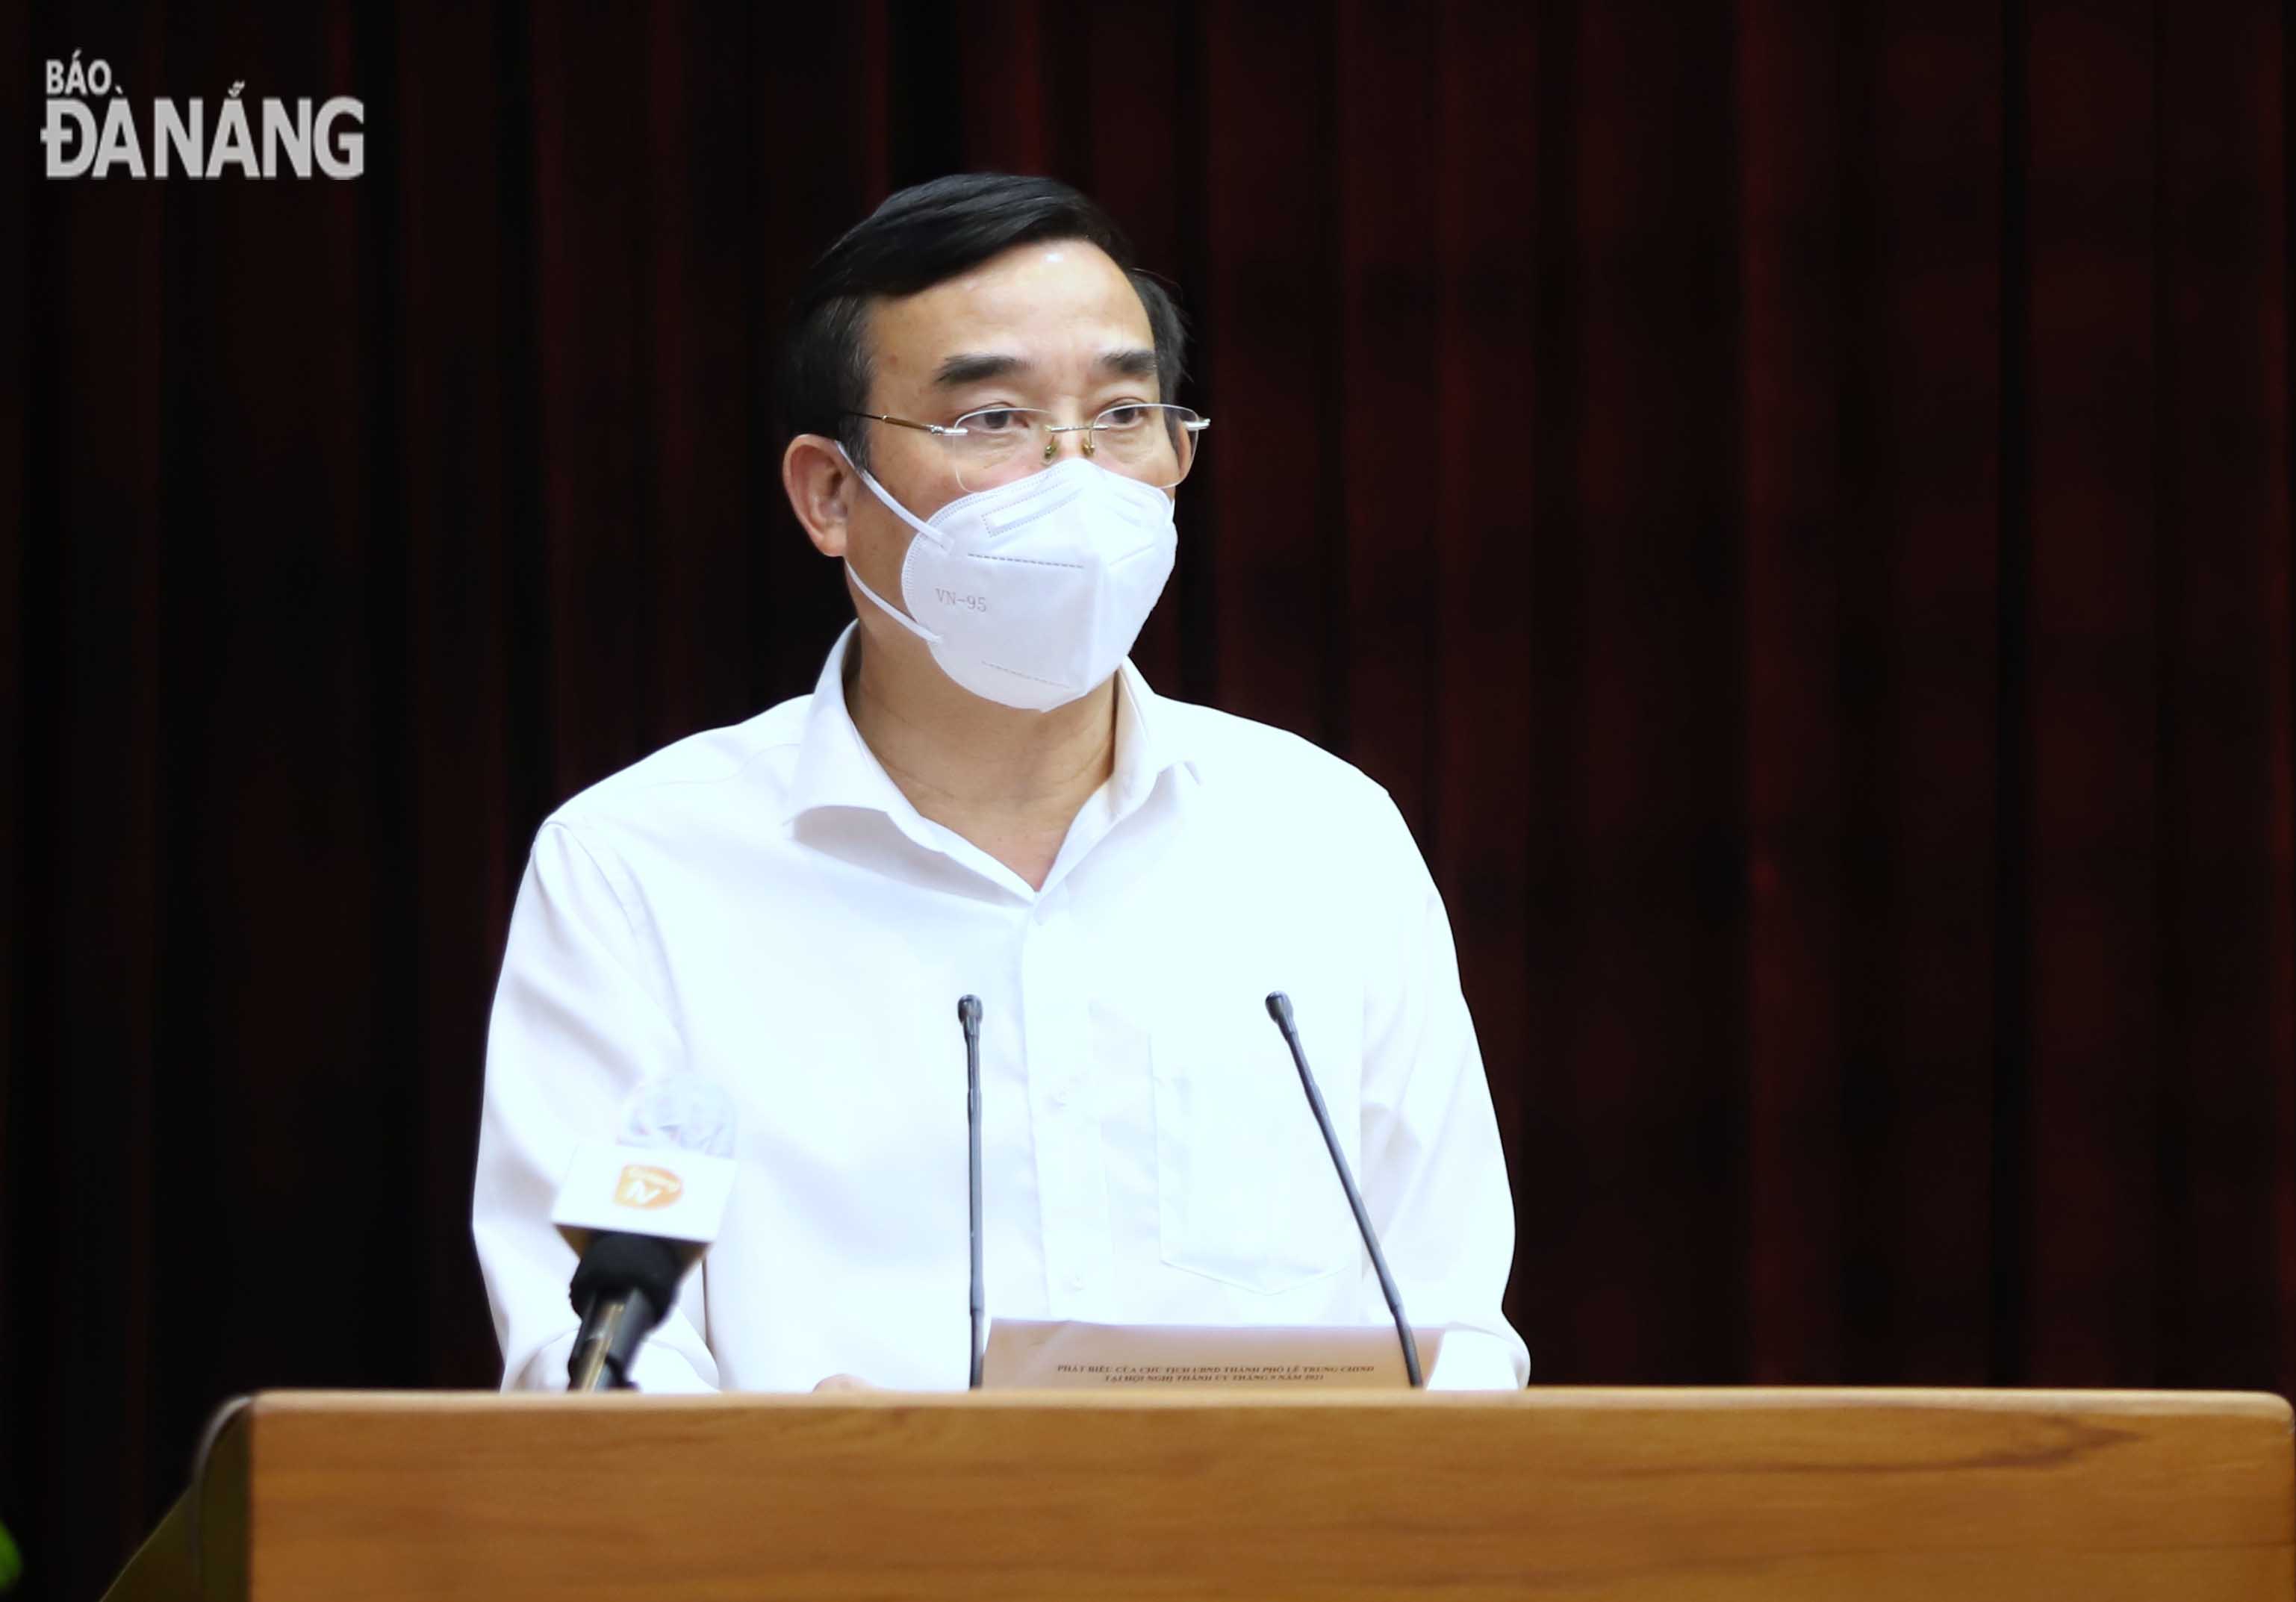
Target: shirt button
column 1076, row 1281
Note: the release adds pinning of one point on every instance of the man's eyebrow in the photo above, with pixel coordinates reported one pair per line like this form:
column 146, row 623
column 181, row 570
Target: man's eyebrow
column 964, row 369
column 975, row 368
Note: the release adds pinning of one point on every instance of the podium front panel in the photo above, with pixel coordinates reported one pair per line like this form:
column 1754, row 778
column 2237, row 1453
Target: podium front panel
column 1658, row 1495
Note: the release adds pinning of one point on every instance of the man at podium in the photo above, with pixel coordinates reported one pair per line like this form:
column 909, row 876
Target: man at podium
column 983, row 797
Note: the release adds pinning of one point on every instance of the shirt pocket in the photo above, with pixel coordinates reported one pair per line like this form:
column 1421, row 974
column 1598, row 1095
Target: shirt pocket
column 1246, row 1191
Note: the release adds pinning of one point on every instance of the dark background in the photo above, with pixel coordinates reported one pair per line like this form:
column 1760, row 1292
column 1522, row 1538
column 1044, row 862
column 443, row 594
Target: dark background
column 1793, row 500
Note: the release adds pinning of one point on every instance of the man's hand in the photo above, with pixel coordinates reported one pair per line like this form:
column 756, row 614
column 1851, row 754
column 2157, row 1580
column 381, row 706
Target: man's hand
column 843, row 1382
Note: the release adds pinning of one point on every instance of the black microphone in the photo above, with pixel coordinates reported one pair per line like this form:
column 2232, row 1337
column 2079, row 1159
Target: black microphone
column 968, row 1013
column 624, row 1286
column 1279, row 1008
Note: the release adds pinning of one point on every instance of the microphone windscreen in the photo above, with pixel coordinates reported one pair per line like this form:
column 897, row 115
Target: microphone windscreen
column 617, row 1263
column 680, row 1112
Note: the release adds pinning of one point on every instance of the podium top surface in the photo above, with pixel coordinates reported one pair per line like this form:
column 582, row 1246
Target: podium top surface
column 1563, row 1399
column 1170, row 1494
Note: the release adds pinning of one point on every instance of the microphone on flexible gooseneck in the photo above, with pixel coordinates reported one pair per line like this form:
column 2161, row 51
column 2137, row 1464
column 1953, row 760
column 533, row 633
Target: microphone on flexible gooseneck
column 968, row 1013
column 1279, row 1008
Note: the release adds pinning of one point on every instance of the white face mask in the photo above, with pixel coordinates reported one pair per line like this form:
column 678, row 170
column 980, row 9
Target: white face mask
column 1031, row 594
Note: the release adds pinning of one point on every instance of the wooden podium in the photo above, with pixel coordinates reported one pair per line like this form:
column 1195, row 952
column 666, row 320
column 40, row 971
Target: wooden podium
column 1028, row 1497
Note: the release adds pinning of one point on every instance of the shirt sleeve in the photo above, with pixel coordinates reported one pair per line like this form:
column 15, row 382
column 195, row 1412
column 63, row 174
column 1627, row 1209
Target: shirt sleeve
column 575, row 1030
column 1434, row 1178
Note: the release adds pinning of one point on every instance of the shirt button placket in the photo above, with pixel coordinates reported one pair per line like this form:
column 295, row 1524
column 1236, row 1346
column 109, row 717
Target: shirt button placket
column 1052, row 1003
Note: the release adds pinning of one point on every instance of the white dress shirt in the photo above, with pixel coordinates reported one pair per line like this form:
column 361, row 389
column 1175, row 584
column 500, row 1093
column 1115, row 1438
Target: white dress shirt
column 760, row 904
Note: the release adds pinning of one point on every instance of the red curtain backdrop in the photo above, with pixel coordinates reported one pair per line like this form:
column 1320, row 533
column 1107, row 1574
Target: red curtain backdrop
column 1794, row 501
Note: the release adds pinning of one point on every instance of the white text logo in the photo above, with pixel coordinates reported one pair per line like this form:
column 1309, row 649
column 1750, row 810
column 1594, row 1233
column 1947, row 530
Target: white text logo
column 93, row 131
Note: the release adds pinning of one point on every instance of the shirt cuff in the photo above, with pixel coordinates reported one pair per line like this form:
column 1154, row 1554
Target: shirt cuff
column 1474, row 1359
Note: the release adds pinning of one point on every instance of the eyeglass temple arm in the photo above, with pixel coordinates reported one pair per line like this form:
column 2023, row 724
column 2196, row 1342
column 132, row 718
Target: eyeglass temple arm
column 903, row 423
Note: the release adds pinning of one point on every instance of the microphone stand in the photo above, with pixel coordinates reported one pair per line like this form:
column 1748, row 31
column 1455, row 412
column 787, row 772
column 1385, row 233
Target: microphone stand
column 968, row 1013
column 1279, row 1008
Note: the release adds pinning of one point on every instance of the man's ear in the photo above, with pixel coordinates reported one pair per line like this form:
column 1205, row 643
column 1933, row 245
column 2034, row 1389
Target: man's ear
column 820, row 484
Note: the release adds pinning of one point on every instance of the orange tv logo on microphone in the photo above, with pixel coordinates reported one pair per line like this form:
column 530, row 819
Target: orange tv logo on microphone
column 642, row 1185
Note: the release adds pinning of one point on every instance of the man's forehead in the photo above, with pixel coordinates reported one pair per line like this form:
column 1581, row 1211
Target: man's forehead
column 1010, row 282
column 1057, row 302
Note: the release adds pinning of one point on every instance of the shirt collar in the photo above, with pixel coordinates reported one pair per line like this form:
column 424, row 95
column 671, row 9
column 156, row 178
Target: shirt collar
column 836, row 768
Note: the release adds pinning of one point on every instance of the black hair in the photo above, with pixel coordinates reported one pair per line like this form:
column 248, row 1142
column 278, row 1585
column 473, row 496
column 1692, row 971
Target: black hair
column 922, row 236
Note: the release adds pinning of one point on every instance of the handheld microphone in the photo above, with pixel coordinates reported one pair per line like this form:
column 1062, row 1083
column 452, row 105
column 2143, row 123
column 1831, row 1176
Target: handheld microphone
column 968, row 1013
column 1279, row 1008
column 622, row 1288
column 642, row 1212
